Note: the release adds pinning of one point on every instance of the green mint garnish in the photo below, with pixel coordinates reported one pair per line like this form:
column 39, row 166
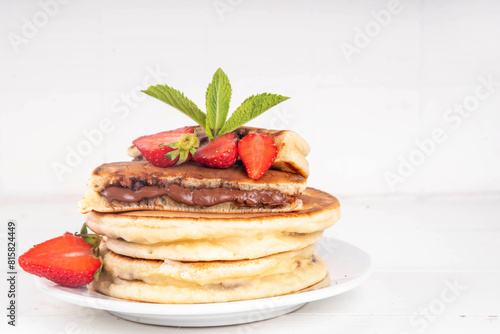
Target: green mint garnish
column 177, row 100
column 218, row 97
column 251, row 108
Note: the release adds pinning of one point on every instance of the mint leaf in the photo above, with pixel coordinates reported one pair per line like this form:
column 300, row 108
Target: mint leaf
column 217, row 98
column 251, row 108
column 177, row 100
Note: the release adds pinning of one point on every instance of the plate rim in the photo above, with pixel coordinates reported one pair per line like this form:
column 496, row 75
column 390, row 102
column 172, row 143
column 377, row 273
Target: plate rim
column 124, row 306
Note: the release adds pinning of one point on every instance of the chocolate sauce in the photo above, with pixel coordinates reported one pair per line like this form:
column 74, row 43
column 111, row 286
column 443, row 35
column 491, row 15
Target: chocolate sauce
column 202, row 196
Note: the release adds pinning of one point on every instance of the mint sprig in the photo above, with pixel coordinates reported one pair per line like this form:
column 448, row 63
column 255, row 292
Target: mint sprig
column 218, row 96
column 251, row 108
column 177, row 100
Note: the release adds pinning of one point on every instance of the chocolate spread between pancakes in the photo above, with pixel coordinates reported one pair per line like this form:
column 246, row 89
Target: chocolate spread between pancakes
column 200, row 196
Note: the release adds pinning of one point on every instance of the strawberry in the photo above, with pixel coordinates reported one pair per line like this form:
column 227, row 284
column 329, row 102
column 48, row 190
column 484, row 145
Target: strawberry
column 258, row 153
column 167, row 148
column 221, row 152
column 67, row 260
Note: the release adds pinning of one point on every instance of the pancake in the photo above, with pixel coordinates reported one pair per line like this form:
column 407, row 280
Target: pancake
column 231, row 248
column 138, row 185
column 292, row 148
column 320, row 210
column 93, row 201
column 201, row 273
column 244, row 288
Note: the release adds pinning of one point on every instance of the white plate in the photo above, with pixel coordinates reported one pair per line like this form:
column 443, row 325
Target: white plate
column 348, row 267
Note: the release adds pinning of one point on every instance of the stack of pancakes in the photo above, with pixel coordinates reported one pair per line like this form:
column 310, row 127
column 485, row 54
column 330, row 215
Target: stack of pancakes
column 192, row 234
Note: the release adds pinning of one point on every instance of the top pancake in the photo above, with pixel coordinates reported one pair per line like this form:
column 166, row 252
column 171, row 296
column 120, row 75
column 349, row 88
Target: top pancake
column 132, row 173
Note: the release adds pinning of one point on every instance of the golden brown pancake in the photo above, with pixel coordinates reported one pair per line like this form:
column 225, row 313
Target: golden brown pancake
column 208, row 236
column 201, row 273
column 308, row 273
column 126, row 173
column 275, row 191
column 230, row 248
column 320, row 210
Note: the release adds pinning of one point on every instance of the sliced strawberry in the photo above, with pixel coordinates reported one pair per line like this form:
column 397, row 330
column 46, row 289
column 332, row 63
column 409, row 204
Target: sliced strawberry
column 258, row 153
column 221, row 152
column 167, row 148
column 65, row 260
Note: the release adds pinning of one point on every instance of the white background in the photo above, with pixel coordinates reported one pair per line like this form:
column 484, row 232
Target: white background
column 368, row 81
column 361, row 113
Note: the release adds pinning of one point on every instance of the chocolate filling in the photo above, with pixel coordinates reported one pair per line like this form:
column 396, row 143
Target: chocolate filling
column 201, row 196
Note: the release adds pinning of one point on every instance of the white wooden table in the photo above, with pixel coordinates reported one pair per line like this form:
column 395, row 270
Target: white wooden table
column 436, row 270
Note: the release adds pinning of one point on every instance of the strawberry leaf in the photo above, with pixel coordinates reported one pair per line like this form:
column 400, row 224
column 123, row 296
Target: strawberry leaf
column 92, row 239
column 218, row 97
column 172, row 155
column 83, row 229
column 98, row 271
column 251, row 108
column 177, row 100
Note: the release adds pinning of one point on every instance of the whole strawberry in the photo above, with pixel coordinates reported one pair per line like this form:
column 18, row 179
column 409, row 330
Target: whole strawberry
column 169, row 148
column 258, row 153
column 66, row 260
column 221, row 152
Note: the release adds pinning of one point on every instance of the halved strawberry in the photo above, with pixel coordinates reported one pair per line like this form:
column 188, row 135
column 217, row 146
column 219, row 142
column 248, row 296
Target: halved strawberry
column 167, row 148
column 221, row 152
column 67, row 260
column 258, row 153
